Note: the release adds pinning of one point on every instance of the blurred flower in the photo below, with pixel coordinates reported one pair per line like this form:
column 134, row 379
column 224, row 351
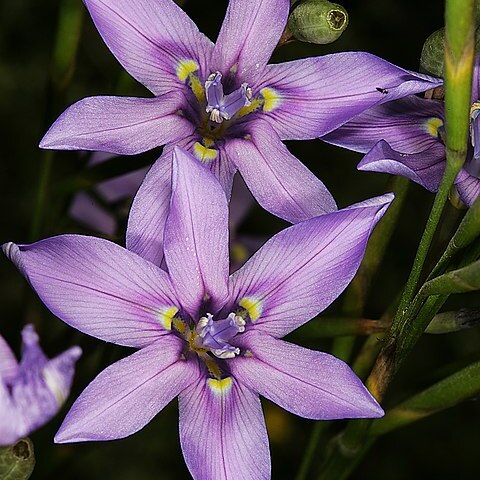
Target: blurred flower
column 223, row 102
column 218, row 363
column 413, row 133
column 31, row 392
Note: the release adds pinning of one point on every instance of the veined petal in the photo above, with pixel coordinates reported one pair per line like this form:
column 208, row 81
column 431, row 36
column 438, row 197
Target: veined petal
column 249, row 34
column 278, row 180
column 468, row 188
column 425, row 168
column 128, row 394
column 305, row 382
column 153, row 39
column 34, row 395
column 196, row 234
column 223, row 169
column 310, row 97
column 408, row 125
column 98, row 287
column 300, row 271
column 119, row 125
column 222, row 431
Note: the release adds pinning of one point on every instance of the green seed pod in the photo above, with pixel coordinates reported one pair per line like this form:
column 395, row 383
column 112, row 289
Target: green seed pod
column 317, row 21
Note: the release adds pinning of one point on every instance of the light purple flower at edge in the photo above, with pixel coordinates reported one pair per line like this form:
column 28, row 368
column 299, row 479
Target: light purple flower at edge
column 223, row 103
column 31, row 392
column 209, row 337
column 412, row 141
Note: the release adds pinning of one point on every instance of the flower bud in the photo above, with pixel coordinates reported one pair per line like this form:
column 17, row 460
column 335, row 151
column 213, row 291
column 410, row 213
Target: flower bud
column 431, row 60
column 317, row 21
column 448, row 322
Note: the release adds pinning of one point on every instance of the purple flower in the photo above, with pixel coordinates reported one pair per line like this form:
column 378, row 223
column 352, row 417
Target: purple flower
column 223, row 102
column 31, row 392
column 210, row 338
column 412, row 132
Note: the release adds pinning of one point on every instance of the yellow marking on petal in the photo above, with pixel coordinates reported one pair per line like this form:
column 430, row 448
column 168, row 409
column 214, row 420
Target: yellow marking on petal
column 255, row 105
column 185, row 68
column 204, row 154
column 197, row 87
column 253, row 306
column 165, row 316
column 271, row 99
column 220, row 387
column 475, row 106
column 432, row 125
column 234, row 68
column 53, row 382
column 213, row 368
column 179, row 325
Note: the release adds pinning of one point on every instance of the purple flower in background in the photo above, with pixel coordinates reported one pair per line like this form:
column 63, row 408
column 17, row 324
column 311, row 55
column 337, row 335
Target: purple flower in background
column 210, row 338
column 412, row 132
column 223, row 103
column 31, row 392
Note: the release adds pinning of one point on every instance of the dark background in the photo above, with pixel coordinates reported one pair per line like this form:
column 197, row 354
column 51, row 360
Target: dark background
column 444, row 446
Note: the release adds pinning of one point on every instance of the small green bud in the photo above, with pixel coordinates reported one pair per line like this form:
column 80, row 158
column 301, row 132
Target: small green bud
column 448, row 322
column 317, row 21
column 17, row 462
column 431, row 60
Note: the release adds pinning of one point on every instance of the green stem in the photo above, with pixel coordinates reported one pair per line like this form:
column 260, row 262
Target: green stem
column 317, row 432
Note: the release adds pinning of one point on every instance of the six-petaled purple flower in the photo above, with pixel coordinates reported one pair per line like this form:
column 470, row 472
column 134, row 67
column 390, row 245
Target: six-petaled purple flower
column 406, row 137
column 31, row 392
column 209, row 337
column 223, row 103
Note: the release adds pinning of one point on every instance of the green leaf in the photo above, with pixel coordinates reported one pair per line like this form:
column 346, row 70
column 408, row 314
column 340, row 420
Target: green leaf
column 18, row 461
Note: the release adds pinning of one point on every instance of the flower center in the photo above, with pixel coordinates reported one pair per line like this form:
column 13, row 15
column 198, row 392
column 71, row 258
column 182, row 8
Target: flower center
column 216, row 335
column 472, row 165
column 223, row 107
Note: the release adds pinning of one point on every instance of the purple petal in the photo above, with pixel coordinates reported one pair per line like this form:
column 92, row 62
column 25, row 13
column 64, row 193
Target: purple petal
column 273, row 175
column 476, row 80
column 42, row 386
column 98, row 287
column 468, row 188
column 409, row 125
column 305, row 382
column 152, row 39
column 128, row 394
column 86, row 211
column 222, row 431
column 119, row 125
column 303, row 269
column 310, row 97
column 8, row 362
column 425, row 168
column 241, row 202
column 249, row 34
column 39, row 388
column 12, row 424
column 121, row 187
column 196, row 234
